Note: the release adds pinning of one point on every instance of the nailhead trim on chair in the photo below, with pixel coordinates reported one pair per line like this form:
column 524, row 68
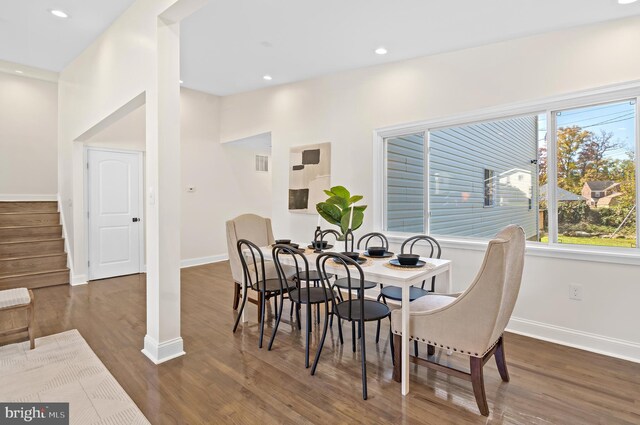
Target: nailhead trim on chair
column 435, row 344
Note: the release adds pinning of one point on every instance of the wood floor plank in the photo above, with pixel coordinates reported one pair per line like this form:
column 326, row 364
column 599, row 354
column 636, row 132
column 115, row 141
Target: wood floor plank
column 225, row 378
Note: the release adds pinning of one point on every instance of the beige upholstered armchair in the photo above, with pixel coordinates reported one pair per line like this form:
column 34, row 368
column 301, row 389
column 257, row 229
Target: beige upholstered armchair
column 251, row 227
column 471, row 323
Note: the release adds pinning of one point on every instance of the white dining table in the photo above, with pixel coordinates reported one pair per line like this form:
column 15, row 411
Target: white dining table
column 378, row 272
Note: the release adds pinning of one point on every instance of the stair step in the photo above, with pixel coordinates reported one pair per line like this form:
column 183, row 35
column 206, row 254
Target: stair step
column 40, row 263
column 31, row 248
column 35, row 280
column 29, row 233
column 29, row 219
column 28, row 206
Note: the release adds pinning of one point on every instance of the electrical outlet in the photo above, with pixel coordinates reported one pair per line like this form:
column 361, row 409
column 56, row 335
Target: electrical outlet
column 191, row 189
column 575, row 292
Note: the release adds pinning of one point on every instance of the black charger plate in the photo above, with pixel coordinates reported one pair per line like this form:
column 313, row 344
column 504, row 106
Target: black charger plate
column 360, row 260
column 396, row 263
column 326, row 247
column 387, row 254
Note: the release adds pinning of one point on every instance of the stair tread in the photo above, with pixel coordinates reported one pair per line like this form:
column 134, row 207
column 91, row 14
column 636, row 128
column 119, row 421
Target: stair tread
column 66, row 269
column 29, row 212
column 54, row 254
column 30, row 226
column 33, row 241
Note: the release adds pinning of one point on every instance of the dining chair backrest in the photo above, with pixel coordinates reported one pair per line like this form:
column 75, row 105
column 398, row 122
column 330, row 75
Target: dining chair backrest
column 375, row 236
column 352, row 272
column 433, row 245
column 514, row 266
column 252, row 262
column 300, row 265
column 247, row 226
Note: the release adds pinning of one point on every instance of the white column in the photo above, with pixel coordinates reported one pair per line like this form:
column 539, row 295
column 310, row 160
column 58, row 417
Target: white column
column 163, row 341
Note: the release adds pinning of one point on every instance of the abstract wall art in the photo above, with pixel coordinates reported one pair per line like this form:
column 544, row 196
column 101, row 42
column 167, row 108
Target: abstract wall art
column 309, row 175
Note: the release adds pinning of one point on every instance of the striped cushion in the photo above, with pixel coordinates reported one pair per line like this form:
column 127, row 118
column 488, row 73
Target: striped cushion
column 14, row 297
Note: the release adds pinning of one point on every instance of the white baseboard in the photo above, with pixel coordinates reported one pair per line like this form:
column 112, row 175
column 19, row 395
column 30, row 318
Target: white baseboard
column 191, row 262
column 27, row 197
column 164, row 351
column 78, row 280
column 613, row 347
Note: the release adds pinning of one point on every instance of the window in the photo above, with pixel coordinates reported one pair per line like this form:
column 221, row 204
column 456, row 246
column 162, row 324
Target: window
column 490, row 187
column 405, row 187
column 482, row 177
column 566, row 175
column 596, row 164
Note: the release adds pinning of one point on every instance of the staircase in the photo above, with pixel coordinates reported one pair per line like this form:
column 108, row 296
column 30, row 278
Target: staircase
column 31, row 245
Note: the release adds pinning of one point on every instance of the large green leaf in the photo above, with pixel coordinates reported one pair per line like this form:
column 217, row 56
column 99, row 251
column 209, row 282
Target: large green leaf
column 328, row 192
column 340, row 202
column 355, row 198
column 329, row 212
column 358, row 218
column 360, row 208
column 341, row 191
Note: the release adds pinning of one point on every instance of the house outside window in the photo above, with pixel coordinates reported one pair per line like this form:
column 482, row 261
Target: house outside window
column 490, row 188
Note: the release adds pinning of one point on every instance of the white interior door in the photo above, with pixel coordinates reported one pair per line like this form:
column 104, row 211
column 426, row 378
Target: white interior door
column 115, row 214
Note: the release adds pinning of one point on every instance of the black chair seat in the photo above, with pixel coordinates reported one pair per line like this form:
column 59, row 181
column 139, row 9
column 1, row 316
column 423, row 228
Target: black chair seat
column 273, row 285
column 343, row 283
column 395, row 293
column 373, row 310
column 314, row 276
column 316, row 295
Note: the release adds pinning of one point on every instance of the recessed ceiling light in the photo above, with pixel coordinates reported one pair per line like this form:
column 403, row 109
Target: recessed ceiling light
column 626, row 1
column 381, row 51
column 267, row 77
column 59, row 13
column 19, row 72
column 181, row 81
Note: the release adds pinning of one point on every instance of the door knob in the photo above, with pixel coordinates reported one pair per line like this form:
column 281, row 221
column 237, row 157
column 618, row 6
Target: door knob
column 135, row 219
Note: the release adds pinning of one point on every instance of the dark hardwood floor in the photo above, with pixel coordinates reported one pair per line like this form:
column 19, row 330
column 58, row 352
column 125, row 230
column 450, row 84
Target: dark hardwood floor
column 225, row 378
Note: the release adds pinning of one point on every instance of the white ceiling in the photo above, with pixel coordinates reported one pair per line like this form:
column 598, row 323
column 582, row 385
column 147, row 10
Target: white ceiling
column 229, row 45
column 224, row 52
column 30, row 35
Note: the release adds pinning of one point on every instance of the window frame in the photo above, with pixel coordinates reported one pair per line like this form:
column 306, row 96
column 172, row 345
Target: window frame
column 610, row 94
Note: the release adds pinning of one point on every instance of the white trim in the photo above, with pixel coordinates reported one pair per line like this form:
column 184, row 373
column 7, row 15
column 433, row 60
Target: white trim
column 613, row 347
column 192, row 262
column 80, row 279
column 67, row 245
column 592, row 254
column 27, row 197
column 164, row 351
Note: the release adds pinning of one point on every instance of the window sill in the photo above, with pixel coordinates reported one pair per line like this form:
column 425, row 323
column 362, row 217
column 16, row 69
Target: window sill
column 537, row 249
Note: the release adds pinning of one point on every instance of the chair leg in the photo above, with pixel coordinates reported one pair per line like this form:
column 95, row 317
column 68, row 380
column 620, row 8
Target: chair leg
column 501, row 361
column 32, row 312
column 378, row 332
column 236, row 295
column 415, row 347
column 262, row 311
column 397, row 358
column 307, row 336
column 393, row 357
column 244, row 302
column 291, row 309
column 431, row 350
column 353, row 336
column 298, row 316
column 363, row 355
column 340, row 331
column 278, row 317
column 324, row 335
column 477, row 381
column 260, row 304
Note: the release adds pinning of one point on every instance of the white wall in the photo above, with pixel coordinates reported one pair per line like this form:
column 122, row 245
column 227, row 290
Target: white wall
column 28, row 142
column 224, row 176
column 345, row 108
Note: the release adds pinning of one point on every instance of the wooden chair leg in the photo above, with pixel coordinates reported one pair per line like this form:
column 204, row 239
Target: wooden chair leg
column 31, row 314
column 236, row 295
column 397, row 358
column 477, row 381
column 501, row 361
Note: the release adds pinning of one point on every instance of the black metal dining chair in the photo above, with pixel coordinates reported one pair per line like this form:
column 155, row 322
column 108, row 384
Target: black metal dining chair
column 256, row 278
column 341, row 283
column 303, row 293
column 356, row 310
column 395, row 293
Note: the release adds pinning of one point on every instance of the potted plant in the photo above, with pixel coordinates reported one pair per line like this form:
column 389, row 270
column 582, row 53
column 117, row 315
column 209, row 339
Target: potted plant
column 337, row 209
